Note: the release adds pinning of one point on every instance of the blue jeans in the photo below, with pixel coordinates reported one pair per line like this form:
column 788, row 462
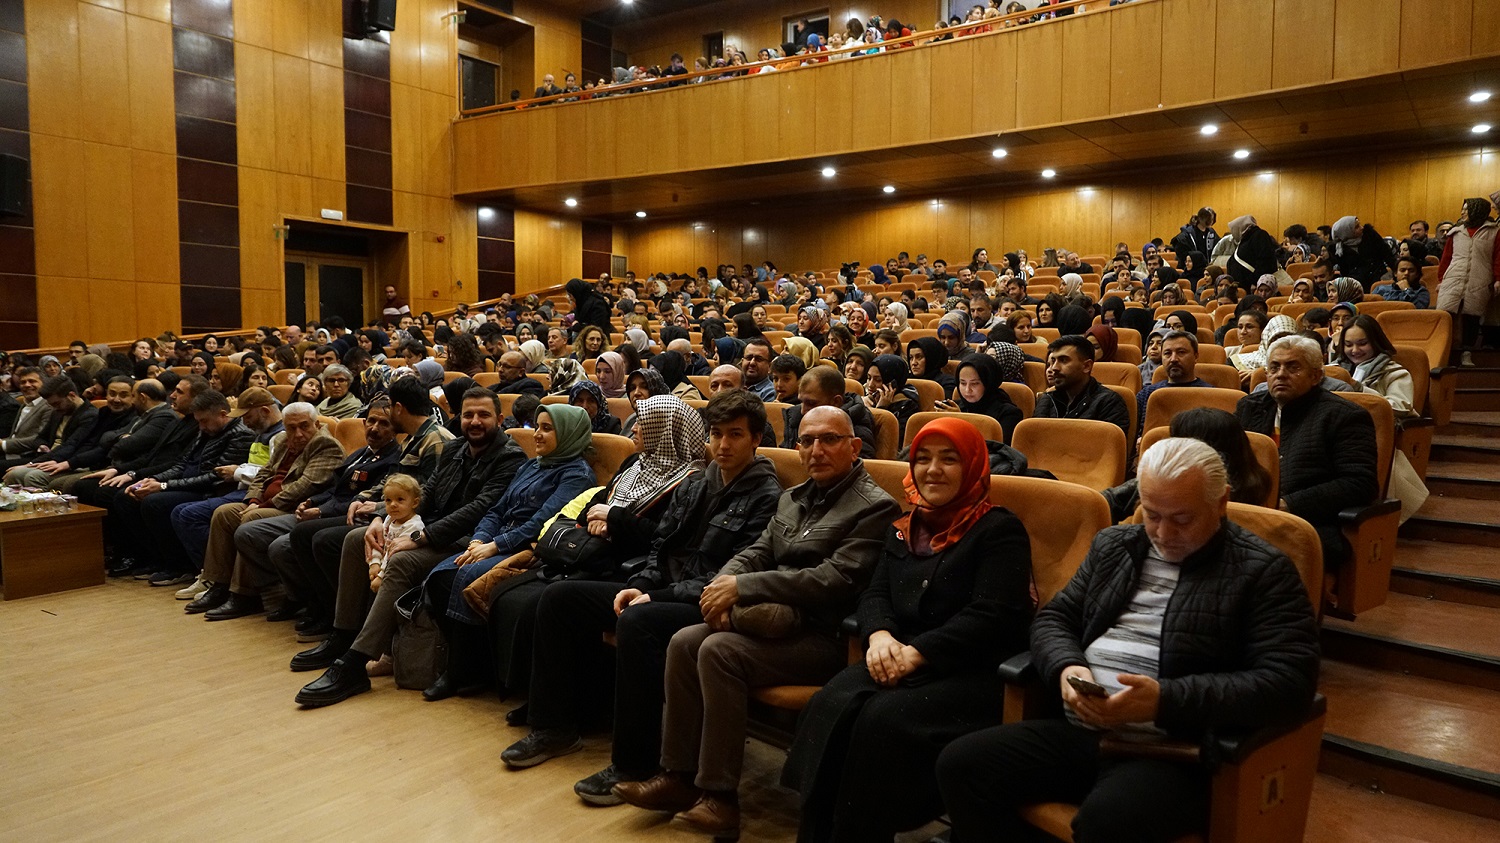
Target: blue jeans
column 190, row 523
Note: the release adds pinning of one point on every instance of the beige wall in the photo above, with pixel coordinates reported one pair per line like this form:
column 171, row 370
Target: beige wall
column 1387, row 191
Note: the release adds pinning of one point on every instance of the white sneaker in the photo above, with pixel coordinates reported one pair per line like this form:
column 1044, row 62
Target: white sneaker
column 198, row 587
column 1467, row 360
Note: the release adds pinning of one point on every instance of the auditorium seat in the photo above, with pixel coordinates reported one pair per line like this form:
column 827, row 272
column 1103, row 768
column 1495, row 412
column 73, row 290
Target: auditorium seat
column 1221, row 375
column 700, row 382
column 288, row 376
column 350, row 433
column 1432, row 331
column 788, row 464
column 928, row 392
column 1083, row 451
column 489, row 380
column 887, row 433
column 1021, row 395
column 987, row 426
column 1132, row 409
column 1169, row 401
column 1119, row 374
column 281, row 392
column 1364, row 580
column 1414, row 435
column 607, row 453
column 1266, row 454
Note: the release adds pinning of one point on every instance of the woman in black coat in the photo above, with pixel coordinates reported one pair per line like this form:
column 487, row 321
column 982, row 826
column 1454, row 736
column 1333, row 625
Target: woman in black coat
column 589, row 307
column 950, row 599
column 1254, row 252
column 979, row 390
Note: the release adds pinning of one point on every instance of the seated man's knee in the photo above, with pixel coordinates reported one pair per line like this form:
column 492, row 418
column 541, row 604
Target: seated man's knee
column 227, row 515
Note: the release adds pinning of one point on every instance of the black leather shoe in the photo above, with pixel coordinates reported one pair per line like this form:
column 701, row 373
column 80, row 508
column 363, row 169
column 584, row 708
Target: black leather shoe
column 215, row 597
column 447, row 686
column 290, row 610
column 518, row 715
column 121, row 567
column 237, row 606
column 342, row 680
column 325, row 654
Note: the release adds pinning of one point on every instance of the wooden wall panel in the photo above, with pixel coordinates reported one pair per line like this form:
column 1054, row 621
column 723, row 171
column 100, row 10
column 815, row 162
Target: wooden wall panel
column 995, row 104
column 1134, row 84
column 154, row 216
column 952, row 89
column 1242, row 64
column 1182, row 79
column 1039, row 77
column 57, row 185
column 1433, row 31
column 149, row 54
column 1085, row 82
column 53, row 70
column 912, row 82
column 1367, row 37
column 105, row 100
column 1302, row 52
column 1388, row 191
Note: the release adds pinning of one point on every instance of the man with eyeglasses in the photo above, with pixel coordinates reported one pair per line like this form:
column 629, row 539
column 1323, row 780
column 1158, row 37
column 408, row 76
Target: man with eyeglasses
column 513, row 379
column 771, row 617
column 1327, row 443
column 756, row 364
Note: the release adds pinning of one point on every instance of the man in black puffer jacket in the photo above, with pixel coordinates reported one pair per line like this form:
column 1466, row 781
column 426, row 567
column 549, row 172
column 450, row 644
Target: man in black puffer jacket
column 713, row 515
column 1187, row 627
column 1327, row 443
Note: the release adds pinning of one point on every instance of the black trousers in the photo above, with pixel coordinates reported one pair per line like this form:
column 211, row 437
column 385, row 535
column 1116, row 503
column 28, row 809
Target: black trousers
column 571, row 620
column 311, row 570
column 470, row 660
column 145, row 529
column 90, row 493
column 987, row 776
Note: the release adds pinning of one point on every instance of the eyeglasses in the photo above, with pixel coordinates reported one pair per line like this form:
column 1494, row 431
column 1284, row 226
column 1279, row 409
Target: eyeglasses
column 827, row 440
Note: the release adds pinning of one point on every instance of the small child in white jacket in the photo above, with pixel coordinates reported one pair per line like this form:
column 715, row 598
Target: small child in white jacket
column 402, row 497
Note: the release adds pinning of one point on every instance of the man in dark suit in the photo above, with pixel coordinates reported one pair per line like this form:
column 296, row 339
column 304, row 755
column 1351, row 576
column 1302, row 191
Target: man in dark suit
column 548, row 88
column 513, row 380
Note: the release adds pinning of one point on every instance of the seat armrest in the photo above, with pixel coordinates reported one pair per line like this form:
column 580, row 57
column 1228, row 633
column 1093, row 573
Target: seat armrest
column 1439, row 371
column 1355, row 516
column 850, row 626
column 1232, row 749
column 1414, row 424
column 1018, row 669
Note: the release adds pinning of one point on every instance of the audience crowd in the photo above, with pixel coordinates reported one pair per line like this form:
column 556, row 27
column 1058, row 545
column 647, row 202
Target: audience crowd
column 475, row 497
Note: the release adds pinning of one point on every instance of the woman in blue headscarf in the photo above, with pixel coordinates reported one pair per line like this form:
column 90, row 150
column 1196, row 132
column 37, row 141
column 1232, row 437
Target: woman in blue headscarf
column 542, row 486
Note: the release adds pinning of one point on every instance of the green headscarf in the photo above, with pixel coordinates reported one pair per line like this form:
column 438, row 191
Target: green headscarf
column 575, row 432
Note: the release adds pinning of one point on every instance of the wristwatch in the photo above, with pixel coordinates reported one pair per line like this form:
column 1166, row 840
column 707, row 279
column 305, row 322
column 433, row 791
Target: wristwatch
column 417, row 536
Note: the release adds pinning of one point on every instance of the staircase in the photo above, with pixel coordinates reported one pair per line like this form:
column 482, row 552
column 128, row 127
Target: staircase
column 1412, row 744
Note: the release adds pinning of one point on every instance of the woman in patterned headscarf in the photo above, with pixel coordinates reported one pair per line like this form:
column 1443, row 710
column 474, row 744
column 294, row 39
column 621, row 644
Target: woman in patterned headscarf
column 640, row 385
column 587, row 395
column 565, row 373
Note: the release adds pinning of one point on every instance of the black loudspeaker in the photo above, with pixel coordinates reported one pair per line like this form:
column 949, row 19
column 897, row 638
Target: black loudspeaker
column 380, row 14
column 12, row 186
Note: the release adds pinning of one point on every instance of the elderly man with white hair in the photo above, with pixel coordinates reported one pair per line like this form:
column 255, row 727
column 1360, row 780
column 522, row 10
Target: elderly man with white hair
column 1186, row 626
column 303, row 461
column 1327, row 443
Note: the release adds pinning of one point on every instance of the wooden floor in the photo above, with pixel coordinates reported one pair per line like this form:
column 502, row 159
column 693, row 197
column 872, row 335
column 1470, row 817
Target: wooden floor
column 124, row 719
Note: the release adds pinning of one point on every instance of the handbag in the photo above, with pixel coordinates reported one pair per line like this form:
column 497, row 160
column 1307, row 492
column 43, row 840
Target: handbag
column 567, row 550
column 419, row 653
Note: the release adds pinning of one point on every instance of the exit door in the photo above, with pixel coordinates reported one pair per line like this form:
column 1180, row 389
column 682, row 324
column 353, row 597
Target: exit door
column 319, row 286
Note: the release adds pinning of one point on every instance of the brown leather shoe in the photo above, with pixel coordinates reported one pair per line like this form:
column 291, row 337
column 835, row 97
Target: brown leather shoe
column 717, row 813
column 665, row 791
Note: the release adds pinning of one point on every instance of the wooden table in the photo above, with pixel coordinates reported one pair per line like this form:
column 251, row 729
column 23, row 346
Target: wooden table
column 41, row 554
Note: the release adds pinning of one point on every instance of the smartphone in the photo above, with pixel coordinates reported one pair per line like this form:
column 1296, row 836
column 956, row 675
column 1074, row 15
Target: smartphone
column 1087, row 688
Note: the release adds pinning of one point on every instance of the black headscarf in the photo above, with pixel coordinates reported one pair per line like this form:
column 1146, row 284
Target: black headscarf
column 995, row 403
column 1164, row 275
column 934, row 355
column 1115, row 305
column 672, row 366
column 1138, row 318
column 1189, row 321
column 454, row 391
column 893, row 370
column 1073, row 320
column 1200, row 264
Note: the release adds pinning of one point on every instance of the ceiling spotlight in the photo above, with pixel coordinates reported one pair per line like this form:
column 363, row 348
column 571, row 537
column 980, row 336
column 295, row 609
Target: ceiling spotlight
column 1209, row 129
column 571, row 202
column 999, row 152
column 1479, row 96
column 829, row 172
column 1048, row 173
column 1242, row 154
column 640, row 215
column 1480, row 128
column 890, row 188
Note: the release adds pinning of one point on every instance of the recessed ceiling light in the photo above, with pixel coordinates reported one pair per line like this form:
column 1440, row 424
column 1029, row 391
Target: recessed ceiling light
column 571, row 202
column 640, row 214
column 1048, row 173
column 890, row 188
column 486, row 213
column 829, row 172
column 1209, row 129
column 1480, row 128
column 999, row 152
column 1479, row 96
column 1242, row 154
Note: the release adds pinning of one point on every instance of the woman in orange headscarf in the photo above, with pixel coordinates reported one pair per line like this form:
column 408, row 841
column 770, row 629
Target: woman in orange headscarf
column 950, row 599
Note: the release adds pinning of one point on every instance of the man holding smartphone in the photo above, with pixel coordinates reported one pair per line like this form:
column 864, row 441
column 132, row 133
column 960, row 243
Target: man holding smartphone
column 1184, row 626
